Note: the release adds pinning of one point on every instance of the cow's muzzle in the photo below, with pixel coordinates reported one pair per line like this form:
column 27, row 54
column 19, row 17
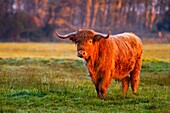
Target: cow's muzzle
column 81, row 54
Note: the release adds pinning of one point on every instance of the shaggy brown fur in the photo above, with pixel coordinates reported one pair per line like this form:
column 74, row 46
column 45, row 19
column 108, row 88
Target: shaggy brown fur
column 108, row 57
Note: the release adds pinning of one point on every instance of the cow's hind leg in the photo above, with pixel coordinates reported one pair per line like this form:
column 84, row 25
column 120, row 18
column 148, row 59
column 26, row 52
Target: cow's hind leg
column 125, row 85
column 135, row 75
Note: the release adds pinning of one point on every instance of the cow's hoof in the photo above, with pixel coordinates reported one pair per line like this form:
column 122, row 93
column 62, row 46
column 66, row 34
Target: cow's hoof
column 101, row 97
column 135, row 93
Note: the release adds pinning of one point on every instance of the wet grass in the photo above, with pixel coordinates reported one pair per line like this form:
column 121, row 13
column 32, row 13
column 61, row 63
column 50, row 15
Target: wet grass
column 62, row 85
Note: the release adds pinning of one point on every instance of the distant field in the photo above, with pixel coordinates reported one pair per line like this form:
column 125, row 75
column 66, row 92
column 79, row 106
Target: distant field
column 68, row 51
column 48, row 77
column 37, row 50
column 159, row 52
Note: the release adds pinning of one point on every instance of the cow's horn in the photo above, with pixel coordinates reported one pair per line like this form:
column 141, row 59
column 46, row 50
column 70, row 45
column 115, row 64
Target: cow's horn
column 66, row 36
column 103, row 36
column 108, row 34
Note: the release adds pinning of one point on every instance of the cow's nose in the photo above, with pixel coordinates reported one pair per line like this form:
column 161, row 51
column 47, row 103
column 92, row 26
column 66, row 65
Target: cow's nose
column 81, row 53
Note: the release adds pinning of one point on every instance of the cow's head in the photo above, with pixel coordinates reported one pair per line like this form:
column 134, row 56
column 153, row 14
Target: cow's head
column 85, row 41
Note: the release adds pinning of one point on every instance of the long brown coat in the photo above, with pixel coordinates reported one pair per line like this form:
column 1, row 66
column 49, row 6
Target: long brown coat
column 108, row 57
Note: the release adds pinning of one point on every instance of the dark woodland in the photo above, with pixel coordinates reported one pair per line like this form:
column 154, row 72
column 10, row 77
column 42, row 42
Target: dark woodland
column 38, row 20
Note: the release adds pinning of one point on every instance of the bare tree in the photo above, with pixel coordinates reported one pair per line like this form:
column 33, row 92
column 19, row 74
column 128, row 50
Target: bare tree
column 87, row 19
column 146, row 14
column 153, row 14
column 96, row 6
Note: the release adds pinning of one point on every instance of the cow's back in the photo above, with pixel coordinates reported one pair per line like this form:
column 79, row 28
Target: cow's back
column 128, row 48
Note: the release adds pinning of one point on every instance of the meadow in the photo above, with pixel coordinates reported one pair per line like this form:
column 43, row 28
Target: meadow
column 48, row 77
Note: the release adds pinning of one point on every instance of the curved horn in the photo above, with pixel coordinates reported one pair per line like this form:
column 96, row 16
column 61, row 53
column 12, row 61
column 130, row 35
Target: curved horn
column 98, row 36
column 103, row 35
column 108, row 34
column 70, row 35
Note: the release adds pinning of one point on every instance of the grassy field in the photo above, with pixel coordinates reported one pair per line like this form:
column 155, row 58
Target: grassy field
column 48, row 77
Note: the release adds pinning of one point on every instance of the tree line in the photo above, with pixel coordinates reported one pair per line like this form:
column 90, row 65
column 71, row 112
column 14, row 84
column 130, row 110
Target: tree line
column 37, row 20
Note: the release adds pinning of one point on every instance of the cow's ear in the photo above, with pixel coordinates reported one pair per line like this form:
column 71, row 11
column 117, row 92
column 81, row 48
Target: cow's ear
column 97, row 38
column 73, row 38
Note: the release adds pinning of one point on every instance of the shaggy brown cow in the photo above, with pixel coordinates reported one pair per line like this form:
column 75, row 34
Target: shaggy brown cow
column 109, row 56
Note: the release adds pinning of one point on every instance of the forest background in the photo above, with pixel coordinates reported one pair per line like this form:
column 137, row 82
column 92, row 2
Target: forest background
column 38, row 20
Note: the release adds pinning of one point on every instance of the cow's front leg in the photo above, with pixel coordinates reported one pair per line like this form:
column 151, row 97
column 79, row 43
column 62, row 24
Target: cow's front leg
column 102, row 86
column 97, row 83
column 101, row 91
column 97, row 89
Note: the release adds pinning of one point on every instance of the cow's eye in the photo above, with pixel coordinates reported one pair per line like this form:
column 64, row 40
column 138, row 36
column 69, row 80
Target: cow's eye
column 90, row 41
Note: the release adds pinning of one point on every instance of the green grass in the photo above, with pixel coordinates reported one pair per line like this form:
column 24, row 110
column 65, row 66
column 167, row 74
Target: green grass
column 57, row 84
